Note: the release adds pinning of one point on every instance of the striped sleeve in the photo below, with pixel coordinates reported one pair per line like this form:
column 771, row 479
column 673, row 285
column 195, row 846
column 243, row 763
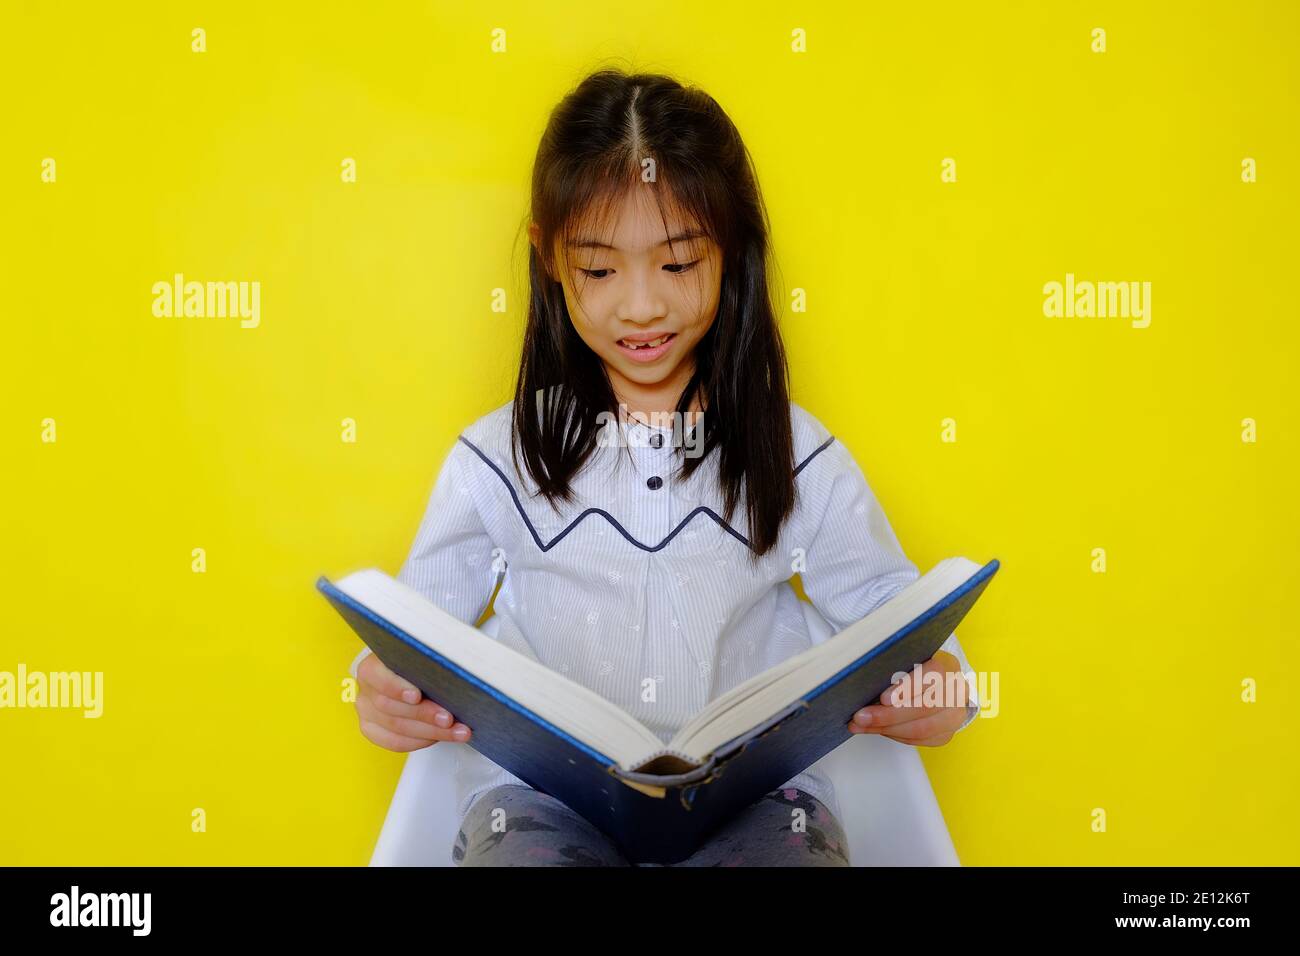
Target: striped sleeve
column 854, row 562
column 453, row 561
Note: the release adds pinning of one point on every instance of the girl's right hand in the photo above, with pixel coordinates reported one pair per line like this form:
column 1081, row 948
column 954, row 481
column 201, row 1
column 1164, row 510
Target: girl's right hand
column 396, row 716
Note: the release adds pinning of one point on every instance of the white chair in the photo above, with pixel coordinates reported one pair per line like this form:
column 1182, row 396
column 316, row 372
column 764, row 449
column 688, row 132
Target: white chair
column 888, row 808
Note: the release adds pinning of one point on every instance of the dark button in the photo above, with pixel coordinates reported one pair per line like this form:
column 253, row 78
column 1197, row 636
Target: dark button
column 657, row 439
column 654, row 483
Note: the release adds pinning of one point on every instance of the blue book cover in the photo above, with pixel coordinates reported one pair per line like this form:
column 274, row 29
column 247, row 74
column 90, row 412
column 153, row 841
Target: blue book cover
column 663, row 811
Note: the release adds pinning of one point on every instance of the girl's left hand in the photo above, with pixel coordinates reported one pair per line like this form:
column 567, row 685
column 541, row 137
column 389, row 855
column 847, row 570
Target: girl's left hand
column 895, row 716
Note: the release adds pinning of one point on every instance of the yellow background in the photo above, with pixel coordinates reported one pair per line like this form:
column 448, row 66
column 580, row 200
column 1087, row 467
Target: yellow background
column 1119, row 691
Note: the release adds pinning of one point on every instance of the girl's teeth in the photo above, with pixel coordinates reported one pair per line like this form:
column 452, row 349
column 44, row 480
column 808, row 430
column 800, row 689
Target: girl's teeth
column 646, row 345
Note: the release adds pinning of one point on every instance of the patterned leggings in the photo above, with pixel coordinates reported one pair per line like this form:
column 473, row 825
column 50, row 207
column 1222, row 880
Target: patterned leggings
column 538, row 830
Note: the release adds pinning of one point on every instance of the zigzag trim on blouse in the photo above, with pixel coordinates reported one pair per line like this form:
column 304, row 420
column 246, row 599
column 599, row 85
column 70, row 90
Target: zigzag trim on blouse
column 702, row 509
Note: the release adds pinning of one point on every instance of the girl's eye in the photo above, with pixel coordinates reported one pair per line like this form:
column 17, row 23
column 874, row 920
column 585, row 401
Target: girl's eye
column 673, row 268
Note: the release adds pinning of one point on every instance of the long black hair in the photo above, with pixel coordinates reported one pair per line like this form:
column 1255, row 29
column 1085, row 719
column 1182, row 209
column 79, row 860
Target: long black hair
column 593, row 151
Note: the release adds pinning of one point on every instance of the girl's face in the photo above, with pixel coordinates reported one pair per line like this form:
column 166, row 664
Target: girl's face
column 634, row 287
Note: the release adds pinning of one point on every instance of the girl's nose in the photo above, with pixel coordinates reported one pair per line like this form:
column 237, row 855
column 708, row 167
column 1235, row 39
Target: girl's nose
column 642, row 302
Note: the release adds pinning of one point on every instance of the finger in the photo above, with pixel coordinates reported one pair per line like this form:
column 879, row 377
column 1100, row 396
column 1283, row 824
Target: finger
column 946, row 661
column 410, row 728
column 374, row 673
column 940, row 683
column 945, row 722
column 426, row 710
column 874, row 716
column 929, row 698
column 390, row 741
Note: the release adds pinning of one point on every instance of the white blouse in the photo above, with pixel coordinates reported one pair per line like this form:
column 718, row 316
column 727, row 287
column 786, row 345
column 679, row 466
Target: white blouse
column 639, row 577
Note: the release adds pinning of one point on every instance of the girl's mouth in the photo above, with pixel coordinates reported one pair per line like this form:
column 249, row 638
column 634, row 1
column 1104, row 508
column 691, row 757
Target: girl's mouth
column 647, row 352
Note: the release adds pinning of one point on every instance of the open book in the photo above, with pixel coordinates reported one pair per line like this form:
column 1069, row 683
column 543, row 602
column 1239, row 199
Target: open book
column 657, row 801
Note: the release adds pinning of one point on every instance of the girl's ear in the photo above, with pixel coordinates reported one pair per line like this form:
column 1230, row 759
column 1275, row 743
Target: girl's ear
column 534, row 237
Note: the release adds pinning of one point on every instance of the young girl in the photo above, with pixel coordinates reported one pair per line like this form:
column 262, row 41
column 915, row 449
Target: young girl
column 650, row 491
